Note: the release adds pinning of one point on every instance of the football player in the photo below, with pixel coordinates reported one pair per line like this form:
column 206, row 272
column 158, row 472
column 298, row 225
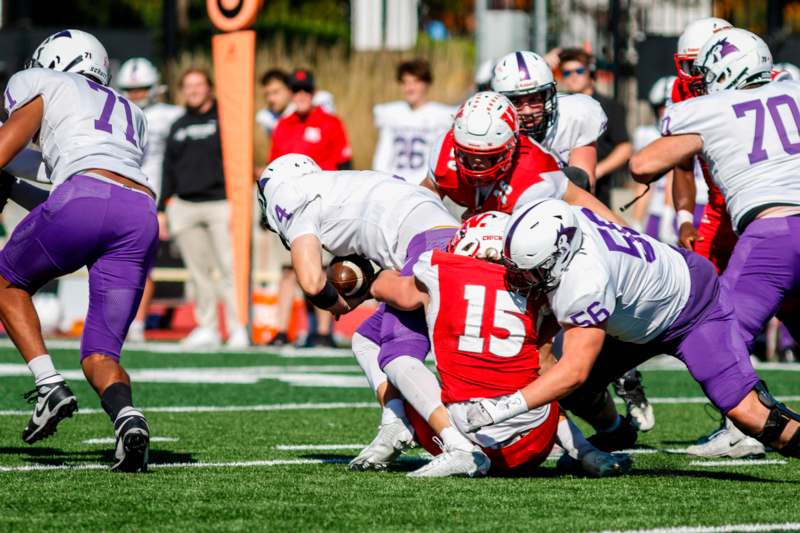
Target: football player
column 409, row 127
column 100, row 214
column 391, row 222
column 623, row 298
column 140, row 83
column 484, row 164
column 566, row 124
column 485, row 342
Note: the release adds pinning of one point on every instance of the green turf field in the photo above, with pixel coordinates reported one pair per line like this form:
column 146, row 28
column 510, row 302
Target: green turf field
column 232, row 450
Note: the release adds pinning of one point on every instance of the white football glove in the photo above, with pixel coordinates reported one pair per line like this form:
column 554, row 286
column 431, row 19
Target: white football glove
column 490, row 411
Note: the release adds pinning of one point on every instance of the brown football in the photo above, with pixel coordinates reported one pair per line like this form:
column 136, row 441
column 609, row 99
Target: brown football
column 351, row 275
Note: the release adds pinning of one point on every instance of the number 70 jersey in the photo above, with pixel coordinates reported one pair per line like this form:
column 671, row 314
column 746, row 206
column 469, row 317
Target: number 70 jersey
column 637, row 285
column 482, row 335
column 85, row 124
column 751, row 142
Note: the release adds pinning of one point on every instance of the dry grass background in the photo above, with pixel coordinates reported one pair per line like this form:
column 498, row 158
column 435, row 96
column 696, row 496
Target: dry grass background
column 357, row 81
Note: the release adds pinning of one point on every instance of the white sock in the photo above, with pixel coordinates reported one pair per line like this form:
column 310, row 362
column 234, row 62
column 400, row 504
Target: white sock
column 416, row 383
column 571, row 438
column 393, row 410
column 44, row 373
column 366, row 353
column 453, row 439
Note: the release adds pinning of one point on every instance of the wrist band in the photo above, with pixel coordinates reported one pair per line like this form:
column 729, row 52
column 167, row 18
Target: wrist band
column 327, row 297
column 684, row 216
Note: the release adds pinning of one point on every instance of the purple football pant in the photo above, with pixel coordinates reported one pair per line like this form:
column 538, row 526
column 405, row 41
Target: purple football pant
column 704, row 336
column 111, row 229
column 763, row 270
column 398, row 332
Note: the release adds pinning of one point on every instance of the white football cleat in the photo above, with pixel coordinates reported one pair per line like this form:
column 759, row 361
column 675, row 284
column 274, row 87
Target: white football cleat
column 238, row 339
column 456, row 462
column 641, row 416
column 728, row 441
column 202, row 338
column 596, row 463
column 392, row 440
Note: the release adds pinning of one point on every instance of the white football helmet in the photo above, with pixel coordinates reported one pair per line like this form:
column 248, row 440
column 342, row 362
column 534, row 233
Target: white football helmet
column 521, row 75
column 661, row 91
column 480, row 236
column 73, row 51
column 693, row 38
column 286, row 166
column 140, row 73
column 541, row 240
column 483, row 76
column 485, row 132
column 733, row 59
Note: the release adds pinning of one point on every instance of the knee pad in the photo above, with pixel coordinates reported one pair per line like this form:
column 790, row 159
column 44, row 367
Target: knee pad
column 779, row 416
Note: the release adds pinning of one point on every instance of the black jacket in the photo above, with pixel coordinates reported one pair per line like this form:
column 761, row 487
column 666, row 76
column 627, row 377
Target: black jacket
column 193, row 159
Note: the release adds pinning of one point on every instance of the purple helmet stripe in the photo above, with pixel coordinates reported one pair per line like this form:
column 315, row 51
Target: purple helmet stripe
column 507, row 245
column 523, row 68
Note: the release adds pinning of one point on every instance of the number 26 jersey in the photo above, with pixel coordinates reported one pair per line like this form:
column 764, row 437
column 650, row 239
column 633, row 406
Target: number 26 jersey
column 751, row 142
column 85, row 124
column 637, row 284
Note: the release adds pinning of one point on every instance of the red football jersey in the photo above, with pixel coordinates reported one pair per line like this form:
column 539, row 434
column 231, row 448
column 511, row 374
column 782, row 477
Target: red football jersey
column 482, row 335
column 532, row 166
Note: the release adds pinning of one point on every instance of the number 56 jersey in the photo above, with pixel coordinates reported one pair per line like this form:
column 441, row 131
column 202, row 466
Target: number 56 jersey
column 637, row 284
column 482, row 335
column 85, row 124
column 751, row 141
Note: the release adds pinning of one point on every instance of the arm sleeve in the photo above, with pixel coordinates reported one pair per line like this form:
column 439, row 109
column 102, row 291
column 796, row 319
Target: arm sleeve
column 23, row 87
column 584, row 299
column 592, row 122
column 553, row 185
column 291, row 213
column 682, row 118
column 424, row 270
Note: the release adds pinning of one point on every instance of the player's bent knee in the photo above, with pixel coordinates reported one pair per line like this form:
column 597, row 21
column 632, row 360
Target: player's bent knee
column 585, row 403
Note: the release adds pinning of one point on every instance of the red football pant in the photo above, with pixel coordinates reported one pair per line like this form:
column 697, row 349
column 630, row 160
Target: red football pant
column 718, row 237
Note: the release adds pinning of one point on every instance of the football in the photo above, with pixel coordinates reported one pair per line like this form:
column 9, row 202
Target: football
column 351, row 275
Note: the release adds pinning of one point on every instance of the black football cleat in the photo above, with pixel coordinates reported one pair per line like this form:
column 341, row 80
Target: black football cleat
column 133, row 441
column 54, row 403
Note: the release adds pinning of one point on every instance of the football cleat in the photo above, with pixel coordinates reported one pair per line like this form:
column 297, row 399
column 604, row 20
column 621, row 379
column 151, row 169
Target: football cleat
column 596, row 463
column 454, row 462
column 54, row 403
column 640, row 413
column 133, row 441
column 621, row 438
column 727, row 441
column 392, row 440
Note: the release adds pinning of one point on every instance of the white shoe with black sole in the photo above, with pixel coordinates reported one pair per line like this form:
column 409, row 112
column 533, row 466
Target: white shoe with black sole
column 54, row 403
column 133, row 441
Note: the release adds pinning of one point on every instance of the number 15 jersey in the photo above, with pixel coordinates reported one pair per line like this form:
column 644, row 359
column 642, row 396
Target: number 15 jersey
column 637, row 284
column 482, row 335
column 751, row 142
column 85, row 124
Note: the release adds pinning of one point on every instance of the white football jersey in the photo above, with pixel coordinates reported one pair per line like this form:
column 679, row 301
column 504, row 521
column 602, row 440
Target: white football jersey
column 580, row 121
column 85, row 125
column 636, row 283
column 407, row 135
column 160, row 117
column 751, row 141
column 353, row 212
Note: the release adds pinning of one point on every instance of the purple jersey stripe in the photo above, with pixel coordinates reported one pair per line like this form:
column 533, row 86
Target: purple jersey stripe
column 10, row 102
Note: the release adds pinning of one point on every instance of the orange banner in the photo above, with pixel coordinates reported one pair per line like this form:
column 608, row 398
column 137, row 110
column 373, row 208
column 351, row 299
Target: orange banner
column 234, row 69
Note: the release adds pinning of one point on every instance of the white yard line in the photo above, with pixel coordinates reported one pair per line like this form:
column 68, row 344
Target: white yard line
column 309, row 447
column 739, row 462
column 223, row 408
column 730, row 528
column 159, row 466
column 112, row 440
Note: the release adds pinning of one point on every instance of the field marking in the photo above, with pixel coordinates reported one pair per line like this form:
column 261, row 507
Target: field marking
column 739, row 462
column 730, row 528
column 112, row 440
column 165, row 466
column 223, row 408
column 309, row 447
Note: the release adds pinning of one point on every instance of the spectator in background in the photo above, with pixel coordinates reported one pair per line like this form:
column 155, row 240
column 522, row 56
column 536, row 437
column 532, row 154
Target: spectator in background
column 409, row 127
column 278, row 99
column 613, row 147
column 140, row 82
column 310, row 130
column 197, row 211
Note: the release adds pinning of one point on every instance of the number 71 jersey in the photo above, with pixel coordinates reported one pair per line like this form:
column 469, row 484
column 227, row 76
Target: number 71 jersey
column 85, row 124
column 637, row 285
column 751, row 142
column 482, row 335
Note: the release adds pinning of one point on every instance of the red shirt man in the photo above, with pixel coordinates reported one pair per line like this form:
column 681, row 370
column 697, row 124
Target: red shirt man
column 310, row 130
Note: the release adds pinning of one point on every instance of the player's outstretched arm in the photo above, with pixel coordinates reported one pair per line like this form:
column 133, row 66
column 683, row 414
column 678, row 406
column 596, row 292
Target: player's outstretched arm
column 306, row 253
column 401, row 292
column 19, row 129
column 662, row 155
column 577, row 196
